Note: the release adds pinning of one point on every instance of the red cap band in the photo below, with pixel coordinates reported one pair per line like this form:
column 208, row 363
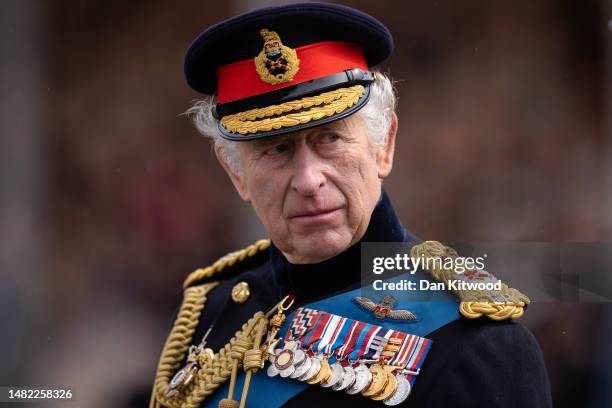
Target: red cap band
column 240, row 80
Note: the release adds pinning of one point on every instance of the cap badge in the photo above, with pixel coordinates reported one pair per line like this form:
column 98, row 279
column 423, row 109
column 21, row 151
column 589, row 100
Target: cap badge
column 276, row 63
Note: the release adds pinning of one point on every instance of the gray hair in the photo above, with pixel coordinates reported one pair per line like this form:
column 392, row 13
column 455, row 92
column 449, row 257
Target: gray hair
column 377, row 114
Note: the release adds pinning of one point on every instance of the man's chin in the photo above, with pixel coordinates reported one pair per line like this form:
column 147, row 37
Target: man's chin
column 317, row 248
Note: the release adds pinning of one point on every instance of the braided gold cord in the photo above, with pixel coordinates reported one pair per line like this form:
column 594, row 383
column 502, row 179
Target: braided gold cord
column 474, row 303
column 218, row 370
column 178, row 341
column 214, row 371
column 277, row 116
column 226, row 261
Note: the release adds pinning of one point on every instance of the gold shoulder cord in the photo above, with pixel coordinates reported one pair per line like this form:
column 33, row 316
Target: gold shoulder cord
column 213, row 371
column 508, row 304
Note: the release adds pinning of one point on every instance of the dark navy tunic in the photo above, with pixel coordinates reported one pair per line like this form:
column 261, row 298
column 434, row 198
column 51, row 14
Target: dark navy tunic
column 472, row 363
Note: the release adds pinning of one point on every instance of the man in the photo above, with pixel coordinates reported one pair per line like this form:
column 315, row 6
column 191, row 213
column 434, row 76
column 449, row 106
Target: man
column 306, row 133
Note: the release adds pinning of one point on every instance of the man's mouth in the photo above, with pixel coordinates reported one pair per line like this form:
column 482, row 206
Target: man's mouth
column 318, row 215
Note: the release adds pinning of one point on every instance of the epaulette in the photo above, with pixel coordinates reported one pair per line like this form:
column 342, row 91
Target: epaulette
column 230, row 264
column 506, row 303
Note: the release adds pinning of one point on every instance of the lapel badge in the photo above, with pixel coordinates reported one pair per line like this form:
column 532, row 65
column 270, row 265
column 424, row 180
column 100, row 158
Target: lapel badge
column 276, row 63
column 384, row 309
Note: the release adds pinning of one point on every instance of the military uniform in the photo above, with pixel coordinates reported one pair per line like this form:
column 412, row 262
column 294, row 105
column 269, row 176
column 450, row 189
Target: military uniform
column 255, row 328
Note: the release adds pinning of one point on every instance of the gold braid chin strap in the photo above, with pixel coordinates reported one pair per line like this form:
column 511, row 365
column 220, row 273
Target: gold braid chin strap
column 509, row 303
column 214, row 370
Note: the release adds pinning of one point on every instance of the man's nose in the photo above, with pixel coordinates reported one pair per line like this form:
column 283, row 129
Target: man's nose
column 308, row 177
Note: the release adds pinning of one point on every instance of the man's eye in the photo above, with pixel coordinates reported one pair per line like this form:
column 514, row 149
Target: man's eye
column 277, row 149
column 329, row 138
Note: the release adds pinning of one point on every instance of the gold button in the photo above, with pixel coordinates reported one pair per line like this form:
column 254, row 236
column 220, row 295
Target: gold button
column 241, row 292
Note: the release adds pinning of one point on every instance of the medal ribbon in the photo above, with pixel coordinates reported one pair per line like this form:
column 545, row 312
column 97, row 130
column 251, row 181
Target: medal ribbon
column 401, row 337
column 377, row 344
column 417, row 354
column 412, row 354
column 331, row 332
column 302, row 323
column 361, row 345
column 349, row 343
column 340, row 336
column 317, row 330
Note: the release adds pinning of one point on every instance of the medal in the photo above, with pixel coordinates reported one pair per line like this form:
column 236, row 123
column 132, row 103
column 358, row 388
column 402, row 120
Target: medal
column 401, row 393
column 379, row 381
column 348, row 379
column 301, row 369
column 283, row 360
column 323, row 374
column 272, row 371
column 379, row 363
column 389, row 389
column 336, row 375
column 363, row 378
column 314, row 369
column 186, row 374
column 291, row 345
column 287, row 371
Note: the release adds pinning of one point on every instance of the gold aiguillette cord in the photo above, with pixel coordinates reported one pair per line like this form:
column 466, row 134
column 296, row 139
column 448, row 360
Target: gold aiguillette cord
column 252, row 353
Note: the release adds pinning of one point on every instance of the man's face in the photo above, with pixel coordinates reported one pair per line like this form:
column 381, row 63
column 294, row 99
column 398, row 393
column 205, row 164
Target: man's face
column 314, row 190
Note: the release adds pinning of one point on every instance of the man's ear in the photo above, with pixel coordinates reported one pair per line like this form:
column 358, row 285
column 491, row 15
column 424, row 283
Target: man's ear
column 237, row 179
column 384, row 157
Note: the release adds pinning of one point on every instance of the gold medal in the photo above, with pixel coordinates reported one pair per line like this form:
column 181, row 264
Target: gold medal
column 379, row 381
column 389, row 389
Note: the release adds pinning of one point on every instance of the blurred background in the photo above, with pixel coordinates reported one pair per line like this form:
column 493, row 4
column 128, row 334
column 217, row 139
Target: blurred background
column 109, row 198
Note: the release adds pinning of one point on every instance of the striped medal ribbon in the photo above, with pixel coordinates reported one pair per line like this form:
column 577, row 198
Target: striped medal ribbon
column 303, row 322
column 355, row 328
column 377, row 343
column 411, row 355
column 329, row 339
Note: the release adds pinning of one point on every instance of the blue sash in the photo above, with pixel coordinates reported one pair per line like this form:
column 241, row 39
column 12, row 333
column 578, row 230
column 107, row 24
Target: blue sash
column 270, row 392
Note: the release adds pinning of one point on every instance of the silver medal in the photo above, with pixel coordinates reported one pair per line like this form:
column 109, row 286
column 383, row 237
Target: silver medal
column 336, row 376
column 272, row 371
column 273, row 355
column 301, row 369
column 363, row 378
column 298, row 357
column 401, row 393
column 348, row 379
column 284, row 359
column 287, row 371
column 314, row 369
column 291, row 345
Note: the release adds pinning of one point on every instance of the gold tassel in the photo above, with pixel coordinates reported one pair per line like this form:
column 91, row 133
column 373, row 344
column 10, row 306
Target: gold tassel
column 253, row 360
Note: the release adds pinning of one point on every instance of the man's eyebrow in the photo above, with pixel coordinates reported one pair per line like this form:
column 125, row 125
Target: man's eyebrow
column 268, row 141
column 328, row 127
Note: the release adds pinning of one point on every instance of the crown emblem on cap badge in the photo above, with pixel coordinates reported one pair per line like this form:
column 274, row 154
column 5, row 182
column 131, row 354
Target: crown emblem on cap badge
column 276, row 63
